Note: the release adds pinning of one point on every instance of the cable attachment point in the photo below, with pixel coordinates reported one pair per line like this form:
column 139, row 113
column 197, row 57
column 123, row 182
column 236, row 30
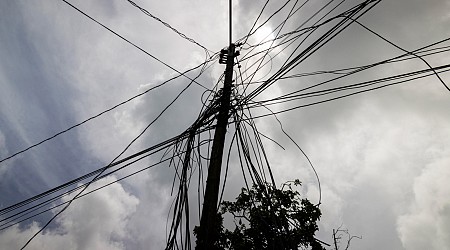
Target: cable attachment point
column 223, row 56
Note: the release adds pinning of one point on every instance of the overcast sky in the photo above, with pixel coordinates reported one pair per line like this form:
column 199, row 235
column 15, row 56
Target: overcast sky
column 383, row 157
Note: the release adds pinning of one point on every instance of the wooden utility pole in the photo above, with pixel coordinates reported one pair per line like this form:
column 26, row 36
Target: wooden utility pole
column 207, row 234
column 208, row 231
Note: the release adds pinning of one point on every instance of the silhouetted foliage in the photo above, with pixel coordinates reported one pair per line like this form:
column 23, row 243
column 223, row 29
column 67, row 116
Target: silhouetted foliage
column 343, row 234
column 266, row 217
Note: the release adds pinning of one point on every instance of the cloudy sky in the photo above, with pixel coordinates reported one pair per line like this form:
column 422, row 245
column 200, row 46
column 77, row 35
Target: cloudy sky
column 383, row 157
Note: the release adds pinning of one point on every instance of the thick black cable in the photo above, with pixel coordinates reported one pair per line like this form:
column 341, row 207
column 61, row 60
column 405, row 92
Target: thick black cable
column 254, row 23
column 334, row 31
column 99, row 114
column 25, row 202
column 335, row 98
column 94, row 190
column 149, row 151
column 312, row 28
column 251, row 47
column 366, row 67
column 342, row 71
column 278, row 100
column 270, row 46
column 121, row 153
column 315, row 26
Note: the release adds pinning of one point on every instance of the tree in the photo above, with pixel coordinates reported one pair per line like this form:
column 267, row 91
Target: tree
column 266, row 217
column 338, row 235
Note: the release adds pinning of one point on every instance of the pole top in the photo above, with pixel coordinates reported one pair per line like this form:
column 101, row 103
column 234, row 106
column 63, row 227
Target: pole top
column 231, row 21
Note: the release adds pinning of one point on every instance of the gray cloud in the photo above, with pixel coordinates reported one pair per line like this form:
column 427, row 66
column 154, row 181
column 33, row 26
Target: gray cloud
column 428, row 214
column 95, row 222
column 381, row 156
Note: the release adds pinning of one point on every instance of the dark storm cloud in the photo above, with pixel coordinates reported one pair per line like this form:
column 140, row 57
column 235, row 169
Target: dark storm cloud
column 34, row 105
column 381, row 156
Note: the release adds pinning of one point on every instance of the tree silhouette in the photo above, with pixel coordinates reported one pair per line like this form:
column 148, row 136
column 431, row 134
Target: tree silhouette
column 266, row 217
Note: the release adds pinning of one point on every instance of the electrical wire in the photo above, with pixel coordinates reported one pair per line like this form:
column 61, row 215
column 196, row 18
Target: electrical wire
column 148, row 152
column 411, row 75
column 100, row 114
column 146, row 12
column 33, row 209
column 316, row 25
column 400, row 48
column 338, row 97
column 133, row 44
column 254, row 24
column 118, row 156
column 186, row 149
column 366, row 67
column 321, row 41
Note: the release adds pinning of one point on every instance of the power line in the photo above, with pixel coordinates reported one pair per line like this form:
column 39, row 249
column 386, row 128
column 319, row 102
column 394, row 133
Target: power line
column 337, row 98
column 121, row 153
column 421, row 73
column 313, row 28
column 248, row 141
column 199, row 125
column 101, row 113
column 35, row 208
column 254, row 24
column 400, row 48
column 290, row 41
column 346, row 70
column 304, row 154
column 133, row 44
column 317, row 44
column 149, row 151
column 366, row 67
column 270, row 46
column 146, row 12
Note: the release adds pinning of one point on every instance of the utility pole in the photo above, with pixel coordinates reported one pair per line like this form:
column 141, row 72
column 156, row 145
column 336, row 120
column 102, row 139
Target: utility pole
column 207, row 234
column 208, row 231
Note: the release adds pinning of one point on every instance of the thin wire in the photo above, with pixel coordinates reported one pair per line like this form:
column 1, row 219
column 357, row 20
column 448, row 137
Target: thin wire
column 133, row 44
column 290, row 41
column 366, row 67
column 400, row 48
column 271, row 45
column 278, row 100
column 254, row 23
column 98, row 115
column 123, row 151
column 344, row 70
column 304, row 154
column 149, row 151
column 334, row 98
column 94, row 190
column 146, row 12
column 328, row 36
column 272, row 79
